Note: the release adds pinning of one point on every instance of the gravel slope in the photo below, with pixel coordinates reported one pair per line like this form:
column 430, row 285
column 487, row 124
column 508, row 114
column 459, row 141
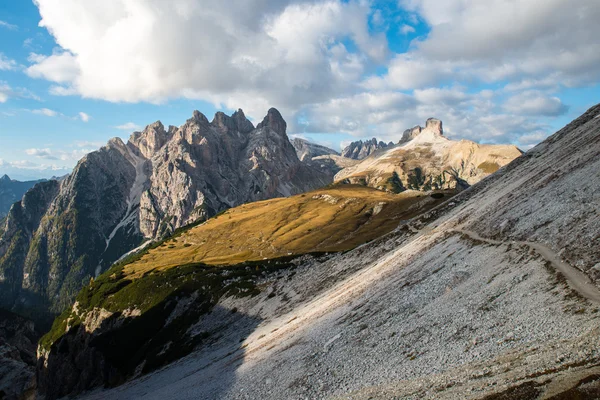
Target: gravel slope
column 426, row 312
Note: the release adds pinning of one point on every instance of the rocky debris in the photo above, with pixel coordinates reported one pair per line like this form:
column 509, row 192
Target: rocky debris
column 17, row 357
column 427, row 160
column 63, row 233
column 426, row 312
column 360, row 150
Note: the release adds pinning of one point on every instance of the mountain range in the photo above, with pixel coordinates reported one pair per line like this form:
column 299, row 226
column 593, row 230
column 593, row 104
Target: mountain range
column 12, row 191
column 63, row 233
column 492, row 294
column 425, row 159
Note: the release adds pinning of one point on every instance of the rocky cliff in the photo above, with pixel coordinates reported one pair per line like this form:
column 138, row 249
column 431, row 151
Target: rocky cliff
column 359, row 150
column 63, row 233
column 426, row 160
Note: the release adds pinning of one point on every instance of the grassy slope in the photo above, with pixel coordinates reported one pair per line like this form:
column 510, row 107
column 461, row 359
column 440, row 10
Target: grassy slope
column 327, row 220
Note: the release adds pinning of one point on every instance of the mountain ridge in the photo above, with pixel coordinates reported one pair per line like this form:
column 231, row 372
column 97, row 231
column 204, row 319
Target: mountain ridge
column 127, row 193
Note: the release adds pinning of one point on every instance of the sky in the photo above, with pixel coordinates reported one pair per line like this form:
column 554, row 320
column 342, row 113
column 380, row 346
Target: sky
column 75, row 73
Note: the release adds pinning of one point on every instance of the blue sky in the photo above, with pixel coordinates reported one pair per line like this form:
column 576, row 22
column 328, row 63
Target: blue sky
column 75, row 73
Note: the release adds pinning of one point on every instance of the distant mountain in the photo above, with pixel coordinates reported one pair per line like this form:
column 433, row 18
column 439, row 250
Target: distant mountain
column 493, row 294
column 12, row 191
column 426, row 160
column 360, row 150
column 63, row 233
column 307, row 150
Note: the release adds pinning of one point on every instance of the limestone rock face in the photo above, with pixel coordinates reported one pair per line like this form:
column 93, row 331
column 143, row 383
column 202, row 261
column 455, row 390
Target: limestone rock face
column 63, row 233
column 426, row 160
column 360, row 150
column 410, row 134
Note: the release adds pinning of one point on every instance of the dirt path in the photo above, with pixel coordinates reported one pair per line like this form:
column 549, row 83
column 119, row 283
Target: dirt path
column 577, row 280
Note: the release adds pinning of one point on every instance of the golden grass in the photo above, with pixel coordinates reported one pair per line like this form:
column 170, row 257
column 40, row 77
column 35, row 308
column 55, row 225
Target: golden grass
column 332, row 219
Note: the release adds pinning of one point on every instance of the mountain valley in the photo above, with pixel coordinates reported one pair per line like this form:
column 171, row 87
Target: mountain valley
column 453, row 303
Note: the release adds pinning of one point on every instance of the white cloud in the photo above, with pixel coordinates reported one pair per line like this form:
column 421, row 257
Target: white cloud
column 41, row 153
column 84, row 117
column 63, row 155
column 129, row 126
column 512, row 39
column 237, row 54
column 5, row 92
column 535, row 103
column 406, row 29
column 6, row 64
column 45, row 111
column 4, row 24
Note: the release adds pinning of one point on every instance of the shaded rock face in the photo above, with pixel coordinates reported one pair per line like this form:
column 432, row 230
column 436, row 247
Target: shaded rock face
column 410, row 134
column 11, row 191
column 17, row 357
column 63, row 233
column 360, row 150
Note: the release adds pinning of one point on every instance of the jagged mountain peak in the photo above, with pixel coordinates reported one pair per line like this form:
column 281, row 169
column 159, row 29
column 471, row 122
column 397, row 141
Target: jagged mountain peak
column 5, row 178
column 433, row 126
column 274, row 120
column 150, row 140
column 199, row 117
column 236, row 122
column 360, row 149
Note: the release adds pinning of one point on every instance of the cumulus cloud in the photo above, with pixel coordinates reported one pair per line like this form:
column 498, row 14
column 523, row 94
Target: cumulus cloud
column 45, row 111
column 406, row 29
column 129, row 126
column 535, row 103
column 6, row 64
column 271, row 51
column 512, row 39
column 84, row 117
column 63, row 155
column 311, row 59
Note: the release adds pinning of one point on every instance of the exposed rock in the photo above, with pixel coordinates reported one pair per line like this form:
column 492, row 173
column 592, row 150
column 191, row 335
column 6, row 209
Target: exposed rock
column 360, row 150
column 427, row 160
column 17, row 357
column 410, row 134
column 306, row 150
column 63, row 233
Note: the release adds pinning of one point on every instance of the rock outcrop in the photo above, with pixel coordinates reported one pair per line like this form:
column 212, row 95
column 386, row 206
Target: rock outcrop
column 63, row 233
column 426, row 160
column 360, row 150
column 17, row 357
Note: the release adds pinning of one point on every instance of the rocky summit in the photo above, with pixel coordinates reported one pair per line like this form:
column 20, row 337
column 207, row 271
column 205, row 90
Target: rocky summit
column 427, row 160
column 359, row 150
column 61, row 234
